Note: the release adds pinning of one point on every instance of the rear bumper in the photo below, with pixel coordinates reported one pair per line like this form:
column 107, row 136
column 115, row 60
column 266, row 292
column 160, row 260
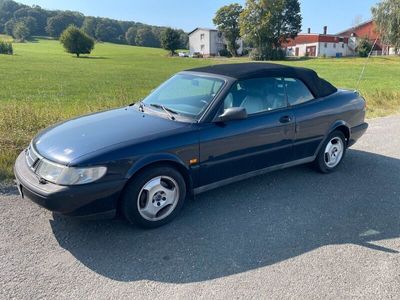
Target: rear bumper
column 357, row 132
column 80, row 201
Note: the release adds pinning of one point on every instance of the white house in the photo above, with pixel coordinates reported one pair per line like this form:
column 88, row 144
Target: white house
column 209, row 42
column 314, row 44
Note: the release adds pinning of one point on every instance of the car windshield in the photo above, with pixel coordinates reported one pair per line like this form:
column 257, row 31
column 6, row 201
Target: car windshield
column 185, row 94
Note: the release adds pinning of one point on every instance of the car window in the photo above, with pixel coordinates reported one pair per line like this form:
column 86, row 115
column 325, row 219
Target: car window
column 188, row 95
column 190, row 88
column 257, row 95
column 297, row 91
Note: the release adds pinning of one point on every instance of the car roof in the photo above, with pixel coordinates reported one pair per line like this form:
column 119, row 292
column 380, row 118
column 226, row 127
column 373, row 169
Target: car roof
column 241, row 71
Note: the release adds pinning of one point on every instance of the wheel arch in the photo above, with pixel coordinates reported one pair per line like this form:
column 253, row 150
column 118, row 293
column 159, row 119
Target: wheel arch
column 343, row 127
column 338, row 125
column 162, row 160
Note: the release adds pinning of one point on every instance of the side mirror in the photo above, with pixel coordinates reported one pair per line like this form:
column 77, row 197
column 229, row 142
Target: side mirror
column 233, row 113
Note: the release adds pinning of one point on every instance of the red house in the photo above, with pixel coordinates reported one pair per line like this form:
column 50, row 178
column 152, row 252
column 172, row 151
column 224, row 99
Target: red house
column 341, row 44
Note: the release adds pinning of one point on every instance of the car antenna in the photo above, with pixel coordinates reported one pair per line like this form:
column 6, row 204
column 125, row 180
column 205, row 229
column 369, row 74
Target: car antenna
column 365, row 65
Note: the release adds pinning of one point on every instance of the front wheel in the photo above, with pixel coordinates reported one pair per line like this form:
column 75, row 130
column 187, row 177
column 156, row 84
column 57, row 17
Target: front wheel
column 332, row 153
column 154, row 197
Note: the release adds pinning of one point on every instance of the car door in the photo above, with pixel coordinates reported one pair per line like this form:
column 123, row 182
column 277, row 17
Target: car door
column 312, row 121
column 262, row 140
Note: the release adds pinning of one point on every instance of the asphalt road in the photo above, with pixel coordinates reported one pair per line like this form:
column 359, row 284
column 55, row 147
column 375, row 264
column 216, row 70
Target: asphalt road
column 289, row 234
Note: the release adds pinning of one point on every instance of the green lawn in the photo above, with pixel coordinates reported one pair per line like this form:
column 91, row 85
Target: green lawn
column 41, row 84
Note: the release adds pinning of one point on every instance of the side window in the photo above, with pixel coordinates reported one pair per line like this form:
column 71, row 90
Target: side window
column 257, row 95
column 297, row 91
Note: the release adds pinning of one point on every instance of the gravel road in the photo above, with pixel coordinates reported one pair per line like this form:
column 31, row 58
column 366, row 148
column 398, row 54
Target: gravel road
column 289, row 234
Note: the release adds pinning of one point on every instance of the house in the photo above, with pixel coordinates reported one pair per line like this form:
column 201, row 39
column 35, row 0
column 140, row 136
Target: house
column 368, row 30
column 209, row 42
column 315, row 44
column 336, row 45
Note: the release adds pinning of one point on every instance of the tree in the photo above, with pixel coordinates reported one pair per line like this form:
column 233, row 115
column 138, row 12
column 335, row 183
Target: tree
column 9, row 27
column 184, row 37
column 130, row 36
column 358, row 19
column 31, row 23
column 89, row 26
column 171, row 40
column 76, row 41
column 268, row 23
column 227, row 21
column 387, row 18
column 146, row 38
column 33, row 13
column 364, row 47
column 58, row 23
column 21, row 31
column 108, row 30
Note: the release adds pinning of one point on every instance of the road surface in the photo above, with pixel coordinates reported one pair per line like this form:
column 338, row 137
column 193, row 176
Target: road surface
column 290, row 234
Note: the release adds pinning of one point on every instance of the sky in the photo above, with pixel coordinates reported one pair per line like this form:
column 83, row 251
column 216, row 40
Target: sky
column 336, row 14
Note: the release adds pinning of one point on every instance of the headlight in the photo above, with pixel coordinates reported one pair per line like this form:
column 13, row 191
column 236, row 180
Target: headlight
column 64, row 175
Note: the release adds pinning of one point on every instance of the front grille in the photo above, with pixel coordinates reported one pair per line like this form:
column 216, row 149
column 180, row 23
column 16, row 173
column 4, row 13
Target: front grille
column 32, row 158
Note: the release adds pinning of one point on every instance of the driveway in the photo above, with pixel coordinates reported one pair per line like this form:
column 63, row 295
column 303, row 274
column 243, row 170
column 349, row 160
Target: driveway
column 289, row 234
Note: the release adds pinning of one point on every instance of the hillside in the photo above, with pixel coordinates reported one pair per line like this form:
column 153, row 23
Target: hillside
column 41, row 84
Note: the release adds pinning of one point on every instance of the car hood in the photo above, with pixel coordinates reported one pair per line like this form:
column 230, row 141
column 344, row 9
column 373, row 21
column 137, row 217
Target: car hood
column 65, row 142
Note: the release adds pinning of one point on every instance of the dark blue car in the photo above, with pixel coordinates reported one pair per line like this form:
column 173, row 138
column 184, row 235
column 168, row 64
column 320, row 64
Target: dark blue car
column 201, row 129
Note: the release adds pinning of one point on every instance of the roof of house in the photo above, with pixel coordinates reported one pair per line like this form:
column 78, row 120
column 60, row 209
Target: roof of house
column 202, row 28
column 306, row 38
column 354, row 28
column 318, row 86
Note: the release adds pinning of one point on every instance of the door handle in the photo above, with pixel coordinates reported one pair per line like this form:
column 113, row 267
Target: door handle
column 285, row 119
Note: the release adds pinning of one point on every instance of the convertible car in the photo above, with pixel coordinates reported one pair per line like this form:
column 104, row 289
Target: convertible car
column 201, row 129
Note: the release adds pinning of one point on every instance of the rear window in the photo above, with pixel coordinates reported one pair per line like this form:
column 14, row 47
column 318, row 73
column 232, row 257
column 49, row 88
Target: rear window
column 297, row 91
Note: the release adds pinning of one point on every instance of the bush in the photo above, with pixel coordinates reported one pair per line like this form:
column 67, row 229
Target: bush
column 225, row 53
column 364, row 48
column 76, row 41
column 6, row 48
column 267, row 54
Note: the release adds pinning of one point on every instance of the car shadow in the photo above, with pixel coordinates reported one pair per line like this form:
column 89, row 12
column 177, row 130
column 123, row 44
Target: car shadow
column 248, row 225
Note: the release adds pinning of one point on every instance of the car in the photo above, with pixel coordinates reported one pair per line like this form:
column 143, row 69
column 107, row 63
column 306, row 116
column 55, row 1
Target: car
column 196, row 55
column 201, row 129
column 183, row 54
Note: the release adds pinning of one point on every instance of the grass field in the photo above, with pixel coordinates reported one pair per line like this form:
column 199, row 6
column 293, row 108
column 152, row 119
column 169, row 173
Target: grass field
column 41, row 84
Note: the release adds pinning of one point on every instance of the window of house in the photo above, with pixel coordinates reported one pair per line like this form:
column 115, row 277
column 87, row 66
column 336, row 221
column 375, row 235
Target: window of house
column 219, row 34
column 202, row 47
column 334, row 45
column 202, row 36
column 326, row 45
column 342, row 45
column 297, row 92
column 257, row 95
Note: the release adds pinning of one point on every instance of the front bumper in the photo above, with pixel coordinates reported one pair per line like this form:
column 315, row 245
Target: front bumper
column 80, row 201
column 357, row 132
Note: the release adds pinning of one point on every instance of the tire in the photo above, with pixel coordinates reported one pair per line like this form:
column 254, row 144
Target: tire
column 331, row 153
column 154, row 197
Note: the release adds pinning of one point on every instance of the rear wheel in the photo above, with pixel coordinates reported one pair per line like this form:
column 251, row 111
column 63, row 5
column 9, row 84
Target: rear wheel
column 154, row 197
column 332, row 153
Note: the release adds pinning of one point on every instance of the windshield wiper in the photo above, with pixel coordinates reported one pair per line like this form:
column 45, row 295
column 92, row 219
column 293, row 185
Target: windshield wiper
column 140, row 103
column 167, row 110
column 141, row 106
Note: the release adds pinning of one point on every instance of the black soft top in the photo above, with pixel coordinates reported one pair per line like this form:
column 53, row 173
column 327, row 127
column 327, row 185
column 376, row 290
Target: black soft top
column 318, row 86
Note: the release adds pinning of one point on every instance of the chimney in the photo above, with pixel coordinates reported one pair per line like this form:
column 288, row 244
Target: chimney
column 309, row 30
column 325, row 29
